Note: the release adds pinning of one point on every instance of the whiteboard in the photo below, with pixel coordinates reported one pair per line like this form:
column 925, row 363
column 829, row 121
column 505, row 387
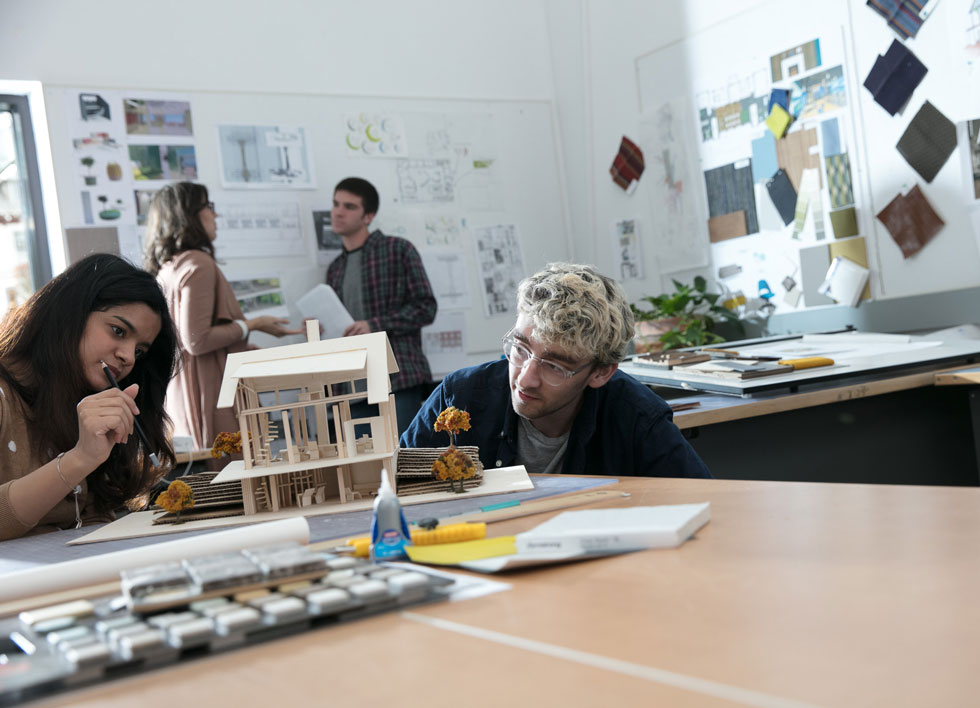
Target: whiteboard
column 498, row 160
column 727, row 59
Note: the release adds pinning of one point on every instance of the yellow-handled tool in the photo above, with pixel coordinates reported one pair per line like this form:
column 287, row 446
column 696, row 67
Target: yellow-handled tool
column 808, row 362
column 451, row 533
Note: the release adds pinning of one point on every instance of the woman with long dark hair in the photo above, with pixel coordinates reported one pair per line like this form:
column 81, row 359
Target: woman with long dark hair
column 179, row 251
column 67, row 450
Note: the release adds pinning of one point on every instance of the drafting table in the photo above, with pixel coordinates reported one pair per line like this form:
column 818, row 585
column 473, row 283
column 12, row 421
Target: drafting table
column 793, row 595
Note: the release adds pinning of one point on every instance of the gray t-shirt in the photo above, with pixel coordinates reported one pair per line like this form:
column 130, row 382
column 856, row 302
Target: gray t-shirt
column 537, row 452
column 351, row 291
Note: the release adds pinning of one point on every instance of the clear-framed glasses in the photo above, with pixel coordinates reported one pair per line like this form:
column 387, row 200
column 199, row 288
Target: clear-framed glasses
column 551, row 373
column 208, row 205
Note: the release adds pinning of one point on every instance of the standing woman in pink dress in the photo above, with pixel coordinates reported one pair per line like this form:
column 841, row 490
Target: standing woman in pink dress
column 179, row 251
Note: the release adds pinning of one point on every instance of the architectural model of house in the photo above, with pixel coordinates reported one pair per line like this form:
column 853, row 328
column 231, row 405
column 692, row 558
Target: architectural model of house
column 293, row 405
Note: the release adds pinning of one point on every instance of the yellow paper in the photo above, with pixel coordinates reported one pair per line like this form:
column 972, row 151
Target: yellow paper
column 453, row 553
column 778, row 121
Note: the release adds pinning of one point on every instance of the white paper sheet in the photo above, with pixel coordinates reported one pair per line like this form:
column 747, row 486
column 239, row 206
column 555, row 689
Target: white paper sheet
column 446, row 269
column 322, row 303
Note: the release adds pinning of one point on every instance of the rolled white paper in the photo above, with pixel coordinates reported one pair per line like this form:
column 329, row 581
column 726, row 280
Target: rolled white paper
column 102, row 569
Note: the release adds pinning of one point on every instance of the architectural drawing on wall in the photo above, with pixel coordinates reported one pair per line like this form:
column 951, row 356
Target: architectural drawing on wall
column 258, row 293
column 444, row 342
column 163, row 162
column 265, row 157
column 501, row 266
column 742, row 101
column 375, row 135
column 446, row 269
column 795, row 61
column 677, row 214
column 93, row 107
column 818, row 94
column 467, row 141
column 424, row 181
column 158, row 117
column 258, row 229
column 627, row 255
column 442, row 230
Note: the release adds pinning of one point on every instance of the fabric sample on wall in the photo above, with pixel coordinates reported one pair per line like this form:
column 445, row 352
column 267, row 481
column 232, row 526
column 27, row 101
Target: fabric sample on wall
column 769, row 218
column 911, row 221
column 793, row 153
column 628, row 164
column 844, row 222
column 928, row 141
column 839, row 180
column 830, row 135
column 722, row 228
column 779, row 97
column 783, row 195
column 809, row 199
column 814, row 263
column 778, row 121
column 894, row 77
column 764, row 160
column 730, row 189
column 903, row 16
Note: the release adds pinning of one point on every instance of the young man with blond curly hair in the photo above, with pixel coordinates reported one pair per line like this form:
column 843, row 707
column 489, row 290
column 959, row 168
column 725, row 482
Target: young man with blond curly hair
column 557, row 403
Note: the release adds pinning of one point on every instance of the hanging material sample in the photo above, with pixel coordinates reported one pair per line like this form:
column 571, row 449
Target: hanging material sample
column 844, row 222
column 928, row 141
column 628, row 165
column 903, row 16
column 894, row 77
column 783, row 195
column 729, row 190
column 794, row 155
column 839, row 180
column 911, row 221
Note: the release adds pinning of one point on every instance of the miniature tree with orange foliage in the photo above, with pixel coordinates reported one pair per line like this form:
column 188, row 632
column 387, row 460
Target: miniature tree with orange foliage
column 226, row 444
column 178, row 497
column 453, row 465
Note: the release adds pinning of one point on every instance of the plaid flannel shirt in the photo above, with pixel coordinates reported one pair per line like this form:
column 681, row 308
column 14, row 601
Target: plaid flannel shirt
column 397, row 299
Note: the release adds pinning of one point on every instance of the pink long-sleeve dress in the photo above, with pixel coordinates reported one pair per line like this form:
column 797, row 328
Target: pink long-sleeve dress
column 204, row 309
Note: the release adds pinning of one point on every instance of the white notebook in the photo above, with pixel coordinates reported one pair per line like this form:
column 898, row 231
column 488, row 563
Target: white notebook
column 632, row 528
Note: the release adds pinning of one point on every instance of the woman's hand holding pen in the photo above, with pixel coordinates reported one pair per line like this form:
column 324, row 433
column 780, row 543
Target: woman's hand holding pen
column 104, row 419
column 271, row 325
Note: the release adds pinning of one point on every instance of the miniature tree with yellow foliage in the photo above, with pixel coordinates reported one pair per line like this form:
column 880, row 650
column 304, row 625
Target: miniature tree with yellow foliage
column 226, row 444
column 453, row 465
column 178, row 497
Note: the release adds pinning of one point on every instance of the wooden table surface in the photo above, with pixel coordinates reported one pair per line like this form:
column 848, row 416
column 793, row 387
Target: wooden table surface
column 795, row 594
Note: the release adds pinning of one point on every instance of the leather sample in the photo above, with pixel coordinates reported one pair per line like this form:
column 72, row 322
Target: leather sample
column 911, row 221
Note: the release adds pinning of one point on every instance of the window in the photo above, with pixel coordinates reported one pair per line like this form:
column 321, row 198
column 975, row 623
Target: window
column 24, row 261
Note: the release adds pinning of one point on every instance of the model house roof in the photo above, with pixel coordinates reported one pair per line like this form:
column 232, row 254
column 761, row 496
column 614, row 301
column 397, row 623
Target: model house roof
column 366, row 356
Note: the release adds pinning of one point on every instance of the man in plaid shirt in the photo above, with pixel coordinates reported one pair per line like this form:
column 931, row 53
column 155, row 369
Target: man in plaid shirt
column 382, row 283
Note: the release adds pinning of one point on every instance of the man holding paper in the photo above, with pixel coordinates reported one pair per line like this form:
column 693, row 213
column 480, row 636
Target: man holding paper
column 382, row 283
column 556, row 403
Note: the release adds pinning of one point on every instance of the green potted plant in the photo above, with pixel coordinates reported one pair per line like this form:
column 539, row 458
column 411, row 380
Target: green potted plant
column 686, row 317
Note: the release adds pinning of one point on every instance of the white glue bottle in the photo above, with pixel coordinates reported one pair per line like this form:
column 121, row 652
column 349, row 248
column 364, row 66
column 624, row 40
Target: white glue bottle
column 389, row 532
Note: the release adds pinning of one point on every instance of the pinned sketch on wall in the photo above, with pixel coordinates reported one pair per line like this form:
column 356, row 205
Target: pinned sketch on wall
column 442, row 230
column 740, row 101
column 627, row 255
column 444, row 342
column 446, row 269
column 258, row 229
column 463, row 146
column 677, row 212
column 328, row 243
column 163, row 162
column 424, row 181
column 258, row 293
column 265, row 157
column 375, row 135
column 501, row 267
column 148, row 116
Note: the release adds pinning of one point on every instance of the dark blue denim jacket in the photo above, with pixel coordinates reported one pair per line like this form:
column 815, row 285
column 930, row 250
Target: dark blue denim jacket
column 622, row 429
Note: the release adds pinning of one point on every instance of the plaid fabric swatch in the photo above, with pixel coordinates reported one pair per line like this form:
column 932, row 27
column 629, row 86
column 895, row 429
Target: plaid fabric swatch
column 928, row 141
column 628, row 164
column 911, row 221
column 903, row 16
column 783, row 195
column 839, row 180
column 894, row 77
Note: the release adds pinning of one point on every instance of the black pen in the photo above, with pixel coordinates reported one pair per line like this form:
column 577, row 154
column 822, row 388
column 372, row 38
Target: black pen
column 136, row 423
